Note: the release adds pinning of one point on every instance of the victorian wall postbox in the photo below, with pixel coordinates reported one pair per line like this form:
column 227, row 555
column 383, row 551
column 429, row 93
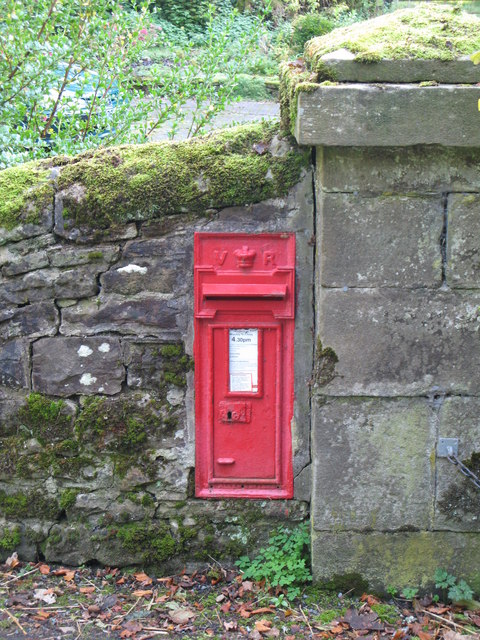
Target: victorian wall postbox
column 244, row 330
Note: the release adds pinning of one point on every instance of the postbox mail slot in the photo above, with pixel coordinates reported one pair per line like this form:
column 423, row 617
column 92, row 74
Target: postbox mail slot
column 230, row 290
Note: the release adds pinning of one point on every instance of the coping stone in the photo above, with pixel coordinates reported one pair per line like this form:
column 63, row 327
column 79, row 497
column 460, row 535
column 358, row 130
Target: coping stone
column 345, row 68
column 388, row 115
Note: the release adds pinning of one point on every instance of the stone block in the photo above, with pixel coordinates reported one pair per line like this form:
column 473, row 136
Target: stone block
column 11, row 401
column 83, row 234
column 51, row 283
column 29, row 230
column 388, row 115
column 372, row 464
column 344, row 68
column 398, row 170
column 457, row 506
column 70, row 366
column 393, row 342
column 389, row 241
column 33, row 320
column 407, row 559
column 15, row 363
column 158, row 265
column 61, row 256
column 463, row 249
column 13, row 253
column 141, row 315
column 33, row 261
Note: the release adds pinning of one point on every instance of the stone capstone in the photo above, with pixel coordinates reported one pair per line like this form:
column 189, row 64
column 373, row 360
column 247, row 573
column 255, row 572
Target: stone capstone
column 71, row 366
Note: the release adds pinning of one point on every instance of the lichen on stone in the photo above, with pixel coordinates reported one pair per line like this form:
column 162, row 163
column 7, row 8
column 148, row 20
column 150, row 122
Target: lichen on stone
column 430, row 31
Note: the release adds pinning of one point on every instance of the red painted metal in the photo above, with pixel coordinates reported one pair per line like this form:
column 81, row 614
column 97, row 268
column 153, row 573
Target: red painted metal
column 244, row 331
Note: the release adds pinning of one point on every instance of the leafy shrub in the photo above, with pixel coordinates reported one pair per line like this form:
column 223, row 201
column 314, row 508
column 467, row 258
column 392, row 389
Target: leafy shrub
column 67, row 81
column 283, row 563
column 309, row 26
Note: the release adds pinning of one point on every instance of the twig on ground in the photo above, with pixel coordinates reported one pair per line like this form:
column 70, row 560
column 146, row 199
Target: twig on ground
column 306, row 619
column 12, row 617
column 448, row 622
column 19, row 577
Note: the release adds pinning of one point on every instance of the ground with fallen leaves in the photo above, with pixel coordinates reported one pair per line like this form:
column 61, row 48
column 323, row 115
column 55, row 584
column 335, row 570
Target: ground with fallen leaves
column 48, row 602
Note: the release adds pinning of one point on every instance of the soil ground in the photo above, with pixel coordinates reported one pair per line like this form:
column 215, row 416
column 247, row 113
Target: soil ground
column 51, row 602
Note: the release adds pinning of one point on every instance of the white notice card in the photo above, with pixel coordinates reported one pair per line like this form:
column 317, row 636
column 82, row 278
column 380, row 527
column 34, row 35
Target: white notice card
column 243, row 362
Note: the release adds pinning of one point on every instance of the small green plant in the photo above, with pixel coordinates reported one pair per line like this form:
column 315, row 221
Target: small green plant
column 283, row 563
column 391, row 590
column 386, row 612
column 456, row 590
column 409, row 593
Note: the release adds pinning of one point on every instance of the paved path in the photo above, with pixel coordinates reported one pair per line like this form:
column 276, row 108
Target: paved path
column 236, row 113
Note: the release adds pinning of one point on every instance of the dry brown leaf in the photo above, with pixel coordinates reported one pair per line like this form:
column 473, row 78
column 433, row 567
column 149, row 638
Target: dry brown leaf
column 69, row 576
column 220, row 598
column 262, row 610
column 247, row 585
column 12, row 561
column 226, row 606
column 87, row 589
column 120, row 580
column 210, row 632
column 273, row 633
column 142, row 593
column 263, row 625
column 182, row 616
column 142, row 577
column 337, row 629
column 423, row 635
column 230, row 626
column 42, row 615
column 44, row 569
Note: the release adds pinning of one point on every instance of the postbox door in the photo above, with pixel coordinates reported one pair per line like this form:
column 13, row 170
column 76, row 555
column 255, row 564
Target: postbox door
column 246, row 393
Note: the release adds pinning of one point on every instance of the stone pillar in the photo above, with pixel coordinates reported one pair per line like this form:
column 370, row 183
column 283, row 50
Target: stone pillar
column 397, row 322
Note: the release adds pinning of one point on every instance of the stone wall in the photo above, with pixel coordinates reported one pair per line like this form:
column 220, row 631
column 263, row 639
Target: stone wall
column 96, row 332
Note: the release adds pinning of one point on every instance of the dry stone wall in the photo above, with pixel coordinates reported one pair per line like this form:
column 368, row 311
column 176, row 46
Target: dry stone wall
column 96, row 373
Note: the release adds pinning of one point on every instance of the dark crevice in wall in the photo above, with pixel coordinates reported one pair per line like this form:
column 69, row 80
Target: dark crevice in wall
column 314, row 298
column 443, row 239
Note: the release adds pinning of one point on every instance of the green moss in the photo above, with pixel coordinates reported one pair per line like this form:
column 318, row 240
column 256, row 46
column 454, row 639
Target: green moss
column 325, row 361
column 176, row 364
column 293, row 79
column 386, row 612
column 46, row 419
column 68, row 498
column 9, row 455
column 351, row 582
column 24, row 505
column 149, row 181
column 24, row 192
column 95, row 255
column 116, row 425
column 9, row 539
column 430, row 31
column 154, row 542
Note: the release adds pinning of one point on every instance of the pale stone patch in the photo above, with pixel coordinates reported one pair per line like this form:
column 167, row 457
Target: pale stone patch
column 87, row 379
column 84, row 351
column 132, row 268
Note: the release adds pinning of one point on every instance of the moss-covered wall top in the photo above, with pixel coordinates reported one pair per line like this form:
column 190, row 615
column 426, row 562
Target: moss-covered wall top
column 238, row 166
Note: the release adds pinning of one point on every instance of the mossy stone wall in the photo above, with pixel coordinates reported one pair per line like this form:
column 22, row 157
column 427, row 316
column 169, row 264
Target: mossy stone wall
column 96, row 328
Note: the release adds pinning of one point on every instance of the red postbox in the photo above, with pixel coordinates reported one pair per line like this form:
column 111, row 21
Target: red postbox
column 244, row 331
